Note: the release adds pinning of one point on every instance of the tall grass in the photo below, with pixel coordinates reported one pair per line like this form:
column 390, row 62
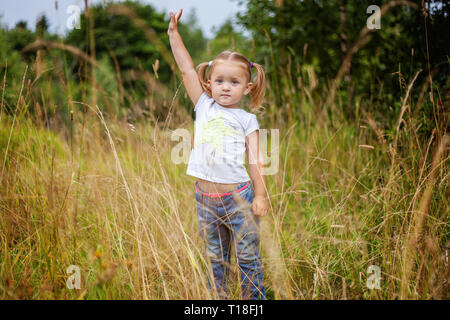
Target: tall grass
column 105, row 196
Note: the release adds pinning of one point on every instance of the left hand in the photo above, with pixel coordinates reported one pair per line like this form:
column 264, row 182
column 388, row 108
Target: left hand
column 260, row 206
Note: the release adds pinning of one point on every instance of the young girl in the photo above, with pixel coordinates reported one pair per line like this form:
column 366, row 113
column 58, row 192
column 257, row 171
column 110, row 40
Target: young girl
column 229, row 205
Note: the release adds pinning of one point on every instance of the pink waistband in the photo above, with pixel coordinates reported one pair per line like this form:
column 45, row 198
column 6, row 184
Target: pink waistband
column 216, row 195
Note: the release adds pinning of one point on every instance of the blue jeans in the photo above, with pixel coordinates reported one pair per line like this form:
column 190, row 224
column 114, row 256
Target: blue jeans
column 226, row 222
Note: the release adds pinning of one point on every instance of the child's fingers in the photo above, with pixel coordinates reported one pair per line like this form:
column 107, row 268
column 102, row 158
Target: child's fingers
column 256, row 209
column 173, row 21
column 178, row 16
column 259, row 209
column 263, row 213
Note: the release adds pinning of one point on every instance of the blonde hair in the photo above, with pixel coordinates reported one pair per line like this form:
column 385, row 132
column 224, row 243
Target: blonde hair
column 258, row 88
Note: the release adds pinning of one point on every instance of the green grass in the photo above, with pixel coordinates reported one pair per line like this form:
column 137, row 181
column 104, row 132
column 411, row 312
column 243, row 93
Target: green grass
column 126, row 216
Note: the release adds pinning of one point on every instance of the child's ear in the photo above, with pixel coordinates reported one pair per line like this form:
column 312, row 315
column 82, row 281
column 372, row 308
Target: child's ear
column 209, row 83
column 249, row 88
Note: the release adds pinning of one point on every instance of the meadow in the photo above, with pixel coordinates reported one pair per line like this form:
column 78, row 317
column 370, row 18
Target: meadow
column 358, row 206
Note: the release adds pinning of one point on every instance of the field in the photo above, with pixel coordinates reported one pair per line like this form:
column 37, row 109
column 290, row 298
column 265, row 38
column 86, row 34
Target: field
column 359, row 207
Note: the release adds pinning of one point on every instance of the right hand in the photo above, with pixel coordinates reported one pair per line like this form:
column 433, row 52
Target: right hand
column 173, row 25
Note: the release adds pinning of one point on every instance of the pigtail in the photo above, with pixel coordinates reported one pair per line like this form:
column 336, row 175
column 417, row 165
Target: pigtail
column 259, row 87
column 202, row 77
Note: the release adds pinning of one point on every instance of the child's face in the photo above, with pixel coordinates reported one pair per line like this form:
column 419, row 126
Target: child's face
column 229, row 83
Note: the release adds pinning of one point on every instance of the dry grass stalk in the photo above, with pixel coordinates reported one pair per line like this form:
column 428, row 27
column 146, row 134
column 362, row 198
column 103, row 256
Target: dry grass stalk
column 419, row 218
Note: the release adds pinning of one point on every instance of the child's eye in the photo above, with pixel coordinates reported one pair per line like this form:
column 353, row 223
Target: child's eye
column 234, row 82
column 219, row 81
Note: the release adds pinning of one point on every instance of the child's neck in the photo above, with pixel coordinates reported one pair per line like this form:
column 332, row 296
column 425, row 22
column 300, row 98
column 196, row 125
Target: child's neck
column 234, row 106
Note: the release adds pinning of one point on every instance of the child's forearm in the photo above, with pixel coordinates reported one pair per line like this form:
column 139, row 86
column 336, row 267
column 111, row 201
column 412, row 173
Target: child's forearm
column 182, row 57
column 258, row 177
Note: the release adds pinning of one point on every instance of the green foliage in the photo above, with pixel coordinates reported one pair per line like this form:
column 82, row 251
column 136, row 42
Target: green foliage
column 42, row 25
column 227, row 38
column 19, row 37
column 128, row 44
column 314, row 32
column 118, row 34
column 192, row 35
column 125, row 38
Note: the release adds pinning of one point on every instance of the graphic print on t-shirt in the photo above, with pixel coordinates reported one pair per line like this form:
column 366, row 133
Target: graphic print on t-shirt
column 213, row 132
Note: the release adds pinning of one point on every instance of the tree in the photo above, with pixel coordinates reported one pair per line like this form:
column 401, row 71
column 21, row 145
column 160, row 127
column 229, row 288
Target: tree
column 135, row 36
column 227, row 38
column 42, row 25
column 319, row 33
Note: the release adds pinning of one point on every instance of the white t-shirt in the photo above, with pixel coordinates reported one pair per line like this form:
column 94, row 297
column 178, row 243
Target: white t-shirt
column 219, row 142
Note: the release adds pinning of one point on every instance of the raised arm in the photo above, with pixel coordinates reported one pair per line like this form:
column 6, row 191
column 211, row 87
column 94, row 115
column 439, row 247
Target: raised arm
column 183, row 59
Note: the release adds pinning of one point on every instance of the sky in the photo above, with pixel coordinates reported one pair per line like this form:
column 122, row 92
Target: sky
column 210, row 13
